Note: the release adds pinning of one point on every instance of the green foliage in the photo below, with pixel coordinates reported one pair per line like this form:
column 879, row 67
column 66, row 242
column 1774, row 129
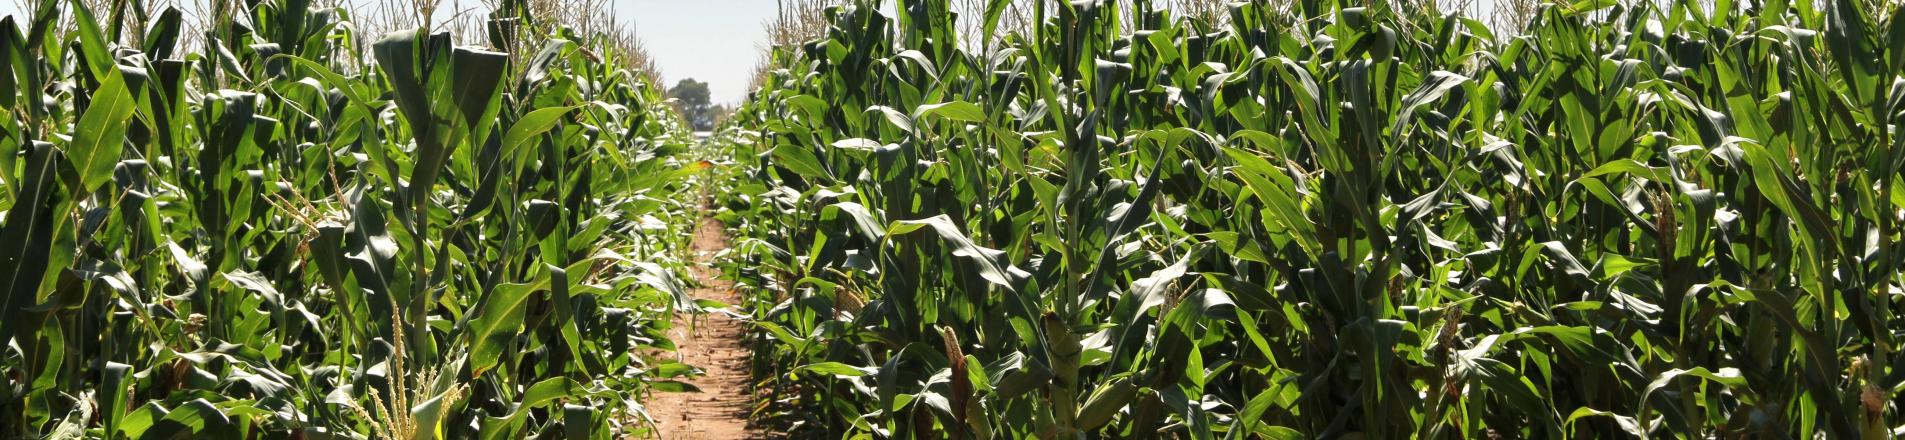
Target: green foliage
column 1330, row 219
column 265, row 234
column 694, row 103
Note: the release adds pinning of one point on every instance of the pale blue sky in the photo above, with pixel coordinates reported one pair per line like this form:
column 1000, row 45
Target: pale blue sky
column 715, row 41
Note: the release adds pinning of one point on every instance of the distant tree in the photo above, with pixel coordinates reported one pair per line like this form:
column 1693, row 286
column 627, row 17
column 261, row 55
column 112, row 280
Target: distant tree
column 720, row 114
column 691, row 98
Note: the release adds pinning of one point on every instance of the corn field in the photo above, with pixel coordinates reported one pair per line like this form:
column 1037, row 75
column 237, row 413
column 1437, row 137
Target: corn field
column 967, row 219
column 276, row 226
column 1327, row 219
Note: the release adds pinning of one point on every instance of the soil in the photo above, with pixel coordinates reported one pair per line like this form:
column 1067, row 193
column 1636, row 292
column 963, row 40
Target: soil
column 714, row 343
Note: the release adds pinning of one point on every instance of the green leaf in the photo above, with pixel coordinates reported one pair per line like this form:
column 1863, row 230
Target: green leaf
column 801, row 160
column 530, row 127
column 1627, row 424
column 330, row 78
column 101, row 132
column 540, row 394
column 990, row 263
column 92, row 41
column 447, row 95
column 863, row 220
column 1662, row 175
column 500, row 318
column 857, row 144
column 1730, row 377
column 955, row 111
column 835, row 369
column 26, row 239
column 193, row 417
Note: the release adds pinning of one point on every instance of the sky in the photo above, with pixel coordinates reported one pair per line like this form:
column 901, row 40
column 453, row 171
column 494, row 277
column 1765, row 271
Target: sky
column 713, row 41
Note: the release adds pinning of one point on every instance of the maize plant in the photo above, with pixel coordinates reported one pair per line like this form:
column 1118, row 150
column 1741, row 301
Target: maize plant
column 1329, row 219
column 276, row 227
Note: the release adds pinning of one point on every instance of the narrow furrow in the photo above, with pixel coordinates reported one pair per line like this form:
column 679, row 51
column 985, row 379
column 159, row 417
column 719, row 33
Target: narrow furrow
column 714, row 343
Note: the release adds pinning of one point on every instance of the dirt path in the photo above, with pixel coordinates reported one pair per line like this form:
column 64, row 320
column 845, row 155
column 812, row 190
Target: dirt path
column 712, row 342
